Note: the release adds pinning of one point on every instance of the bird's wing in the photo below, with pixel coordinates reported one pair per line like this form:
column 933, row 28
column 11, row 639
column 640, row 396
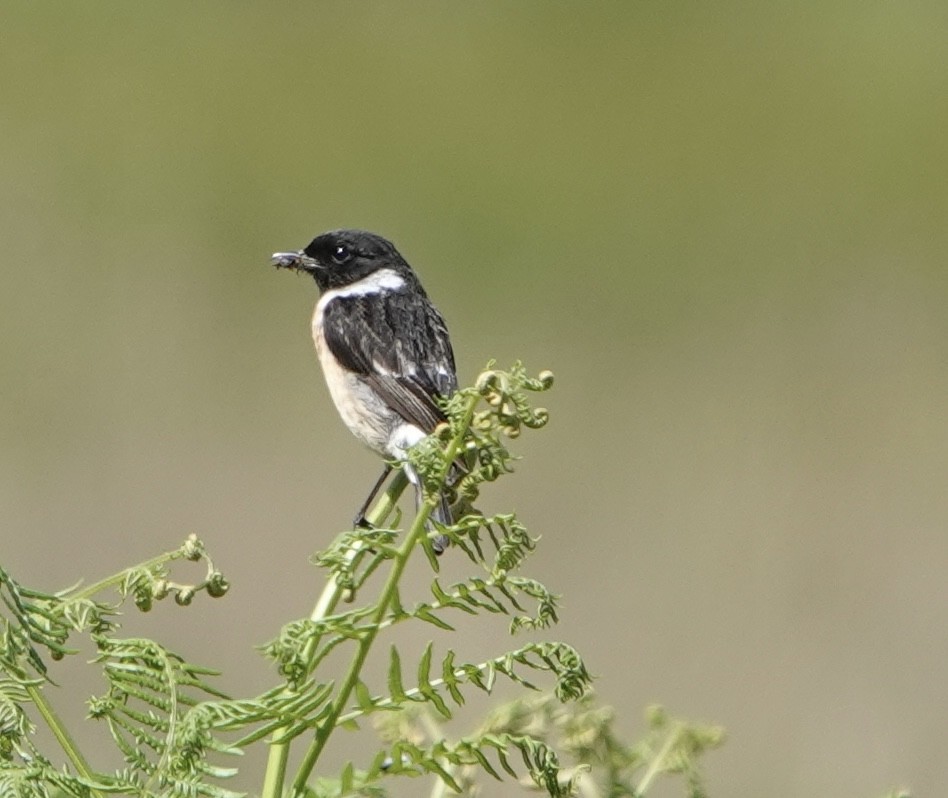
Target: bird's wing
column 399, row 346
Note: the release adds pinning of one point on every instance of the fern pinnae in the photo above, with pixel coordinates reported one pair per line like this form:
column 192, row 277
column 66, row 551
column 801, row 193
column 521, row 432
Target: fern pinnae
column 172, row 725
column 396, row 687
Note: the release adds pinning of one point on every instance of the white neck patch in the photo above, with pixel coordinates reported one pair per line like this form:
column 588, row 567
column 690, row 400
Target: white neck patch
column 376, row 283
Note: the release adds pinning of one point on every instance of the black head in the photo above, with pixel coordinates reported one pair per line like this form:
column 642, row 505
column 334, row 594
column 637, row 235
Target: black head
column 342, row 257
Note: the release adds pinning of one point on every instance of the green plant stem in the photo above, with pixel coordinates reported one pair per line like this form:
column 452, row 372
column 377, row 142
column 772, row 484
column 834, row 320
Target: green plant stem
column 440, row 787
column 115, row 580
column 418, row 528
column 365, row 643
column 376, row 517
column 61, row 734
column 275, row 774
column 658, row 761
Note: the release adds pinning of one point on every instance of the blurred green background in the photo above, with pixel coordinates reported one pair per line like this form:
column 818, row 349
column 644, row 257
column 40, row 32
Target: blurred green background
column 723, row 227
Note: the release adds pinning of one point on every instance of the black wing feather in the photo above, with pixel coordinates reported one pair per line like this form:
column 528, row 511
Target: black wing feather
column 399, row 346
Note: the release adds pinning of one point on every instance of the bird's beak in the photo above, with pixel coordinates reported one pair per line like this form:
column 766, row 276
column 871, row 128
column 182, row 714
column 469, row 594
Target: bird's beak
column 298, row 261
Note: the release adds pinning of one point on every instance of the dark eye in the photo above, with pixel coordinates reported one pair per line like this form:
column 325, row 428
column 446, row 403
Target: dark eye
column 341, row 254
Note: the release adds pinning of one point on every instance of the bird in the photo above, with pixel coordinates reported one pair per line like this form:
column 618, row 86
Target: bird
column 383, row 347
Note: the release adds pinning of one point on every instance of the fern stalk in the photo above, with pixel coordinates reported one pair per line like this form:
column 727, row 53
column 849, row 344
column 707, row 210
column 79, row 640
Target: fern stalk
column 62, row 735
column 275, row 774
column 657, row 765
column 117, row 579
column 389, row 590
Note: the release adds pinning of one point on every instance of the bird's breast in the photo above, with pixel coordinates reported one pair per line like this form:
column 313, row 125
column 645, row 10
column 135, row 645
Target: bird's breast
column 362, row 411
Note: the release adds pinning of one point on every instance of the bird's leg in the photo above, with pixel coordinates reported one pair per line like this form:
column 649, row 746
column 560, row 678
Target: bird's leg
column 360, row 521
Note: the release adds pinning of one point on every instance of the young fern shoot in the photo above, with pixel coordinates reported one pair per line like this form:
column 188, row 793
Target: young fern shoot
column 177, row 732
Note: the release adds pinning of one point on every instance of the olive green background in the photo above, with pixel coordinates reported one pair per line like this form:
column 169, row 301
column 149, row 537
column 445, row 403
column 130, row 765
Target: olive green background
column 722, row 225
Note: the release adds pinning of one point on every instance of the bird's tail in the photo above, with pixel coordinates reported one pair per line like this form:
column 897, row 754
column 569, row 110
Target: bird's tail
column 442, row 515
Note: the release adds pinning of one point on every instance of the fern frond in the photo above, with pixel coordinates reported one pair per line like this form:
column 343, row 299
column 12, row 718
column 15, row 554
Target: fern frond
column 492, row 753
column 151, row 691
column 572, row 679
